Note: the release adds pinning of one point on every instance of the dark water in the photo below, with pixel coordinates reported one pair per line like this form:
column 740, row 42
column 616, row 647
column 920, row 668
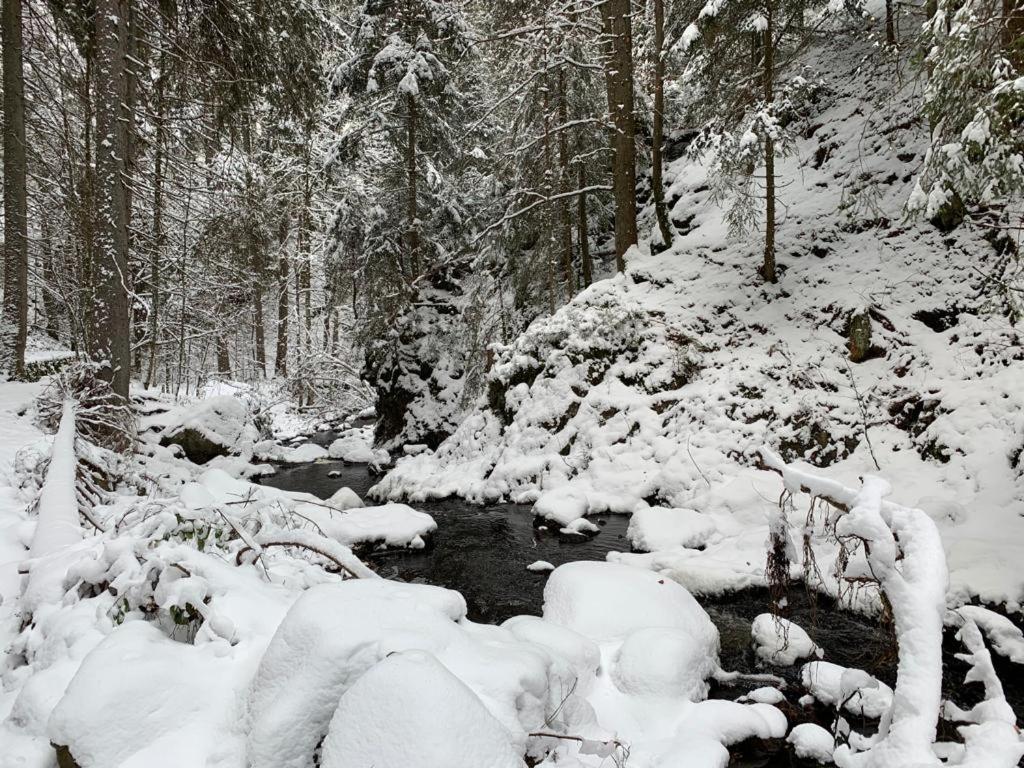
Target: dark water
column 483, row 551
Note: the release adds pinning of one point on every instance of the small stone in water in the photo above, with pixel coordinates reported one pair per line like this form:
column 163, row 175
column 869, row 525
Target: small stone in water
column 334, row 473
column 540, row 565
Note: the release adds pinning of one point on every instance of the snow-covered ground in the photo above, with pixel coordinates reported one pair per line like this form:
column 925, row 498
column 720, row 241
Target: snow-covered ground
column 652, row 392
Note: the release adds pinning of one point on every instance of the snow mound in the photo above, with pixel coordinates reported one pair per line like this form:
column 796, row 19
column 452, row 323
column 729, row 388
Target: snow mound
column 780, row 642
column 812, row 742
column 355, row 446
column 344, row 498
column 140, row 698
column 540, row 566
column 389, row 525
column 607, row 601
column 409, row 710
column 661, row 661
column 656, row 528
column 853, row 689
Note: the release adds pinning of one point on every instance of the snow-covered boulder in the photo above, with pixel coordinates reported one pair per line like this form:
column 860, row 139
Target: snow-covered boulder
column 780, row 642
column 409, row 710
column 812, row 742
column 355, row 446
column 652, row 529
column 212, row 427
column 344, row 498
column 140, row 698
column 608, row 601
column 857, row 691
column 662, row 661
column 389, row 525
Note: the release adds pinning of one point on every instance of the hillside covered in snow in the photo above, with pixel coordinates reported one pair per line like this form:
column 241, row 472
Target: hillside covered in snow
column 889, row 346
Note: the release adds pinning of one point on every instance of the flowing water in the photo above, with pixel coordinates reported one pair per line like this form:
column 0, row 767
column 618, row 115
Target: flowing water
column 483, row 551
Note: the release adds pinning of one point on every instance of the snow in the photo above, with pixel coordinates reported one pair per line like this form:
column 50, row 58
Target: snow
column 812, row 742
column 344, row 498
column 409, row 709
column 1006, row 638
column 851, row 689
column 606, row 601
column 355, row 446
column 224, row 420
column 653, row 529
column 780, row 642
column 391, row 525
column 540, row 566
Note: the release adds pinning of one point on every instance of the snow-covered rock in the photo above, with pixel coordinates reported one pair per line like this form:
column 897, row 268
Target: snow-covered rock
column 607, row 601
column 410, row 710
column 780, row 642
column 390, row 525
column 656, row 528
column 540, row 566
column 214, row 426
column 344, row 498
column 855, row 690
column 355, row 446
column 812, row 742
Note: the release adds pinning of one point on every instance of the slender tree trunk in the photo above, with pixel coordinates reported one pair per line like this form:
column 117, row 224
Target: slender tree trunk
column 768, row 268
column 618, row 42
column 223, row 357
column 110, row 323
column 412, row 235
column 658, row 127
column 156, row 266
column 549, row 249
column 49, row 281
column 565, row 183
column 582, row 229
column 1012, row 37
column 15, row 305
column 281, row 355
column 890, row 22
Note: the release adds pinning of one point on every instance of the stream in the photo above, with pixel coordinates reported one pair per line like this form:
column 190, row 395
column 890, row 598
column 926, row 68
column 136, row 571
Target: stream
column 483, row 551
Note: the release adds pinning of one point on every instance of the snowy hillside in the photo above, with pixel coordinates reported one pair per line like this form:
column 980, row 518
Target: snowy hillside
column 658, row 387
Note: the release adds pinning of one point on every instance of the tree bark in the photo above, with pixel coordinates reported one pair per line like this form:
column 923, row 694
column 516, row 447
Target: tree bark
column 890, row 23
column 564, row 203
column 110, row 322
column 582, row 230
column 223, row 357
column 15, row 306
column 281, row 354
column 658, row 127
column 618, row 42
column 412, row 242
column 156, row 266
column 768, row 267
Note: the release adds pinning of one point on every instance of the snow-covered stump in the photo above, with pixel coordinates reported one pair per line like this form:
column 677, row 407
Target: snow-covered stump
column 905, row 554
column 57, row 526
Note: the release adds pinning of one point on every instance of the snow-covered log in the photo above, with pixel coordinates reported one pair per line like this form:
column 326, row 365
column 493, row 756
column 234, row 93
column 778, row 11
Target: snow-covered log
column 58, row 526
column 905, row 554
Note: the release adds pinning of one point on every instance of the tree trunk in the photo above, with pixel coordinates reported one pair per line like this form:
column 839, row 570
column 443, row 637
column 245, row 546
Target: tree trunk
column 618, row 42
column 15, row 306
column 583, row 234
column 890, row 23
column 1013, row 32
column 549, row 249
column 658, row 127
column 155, row 266
column 412, row 235
column 281, row 355
column 768, row 268
column 565, row 182
column 110, row 323
column 223, row 357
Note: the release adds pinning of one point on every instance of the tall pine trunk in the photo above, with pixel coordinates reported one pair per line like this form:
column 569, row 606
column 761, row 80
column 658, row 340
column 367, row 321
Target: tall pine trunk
column 110, row 320
column 618, row 70
column 412, row 235
column 565, row 182
column 281, row 353
column 582, row 230
column 15, row 306
column 768, row 267
column 658, row 127
column 156, row 265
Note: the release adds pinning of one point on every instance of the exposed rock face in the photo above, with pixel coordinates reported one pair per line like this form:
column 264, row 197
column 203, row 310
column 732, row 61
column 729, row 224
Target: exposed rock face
column 198, row 448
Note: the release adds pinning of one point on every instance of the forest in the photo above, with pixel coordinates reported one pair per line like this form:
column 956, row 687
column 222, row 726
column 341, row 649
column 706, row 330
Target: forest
column 515, row 384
